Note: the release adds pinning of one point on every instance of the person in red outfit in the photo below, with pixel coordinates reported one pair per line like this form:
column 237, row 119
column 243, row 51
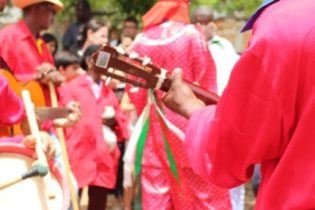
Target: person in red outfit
column 12, row 112
column 170, row 41
column 25, row 54
column 24, row 51
column 266, row 113
column 93, row 159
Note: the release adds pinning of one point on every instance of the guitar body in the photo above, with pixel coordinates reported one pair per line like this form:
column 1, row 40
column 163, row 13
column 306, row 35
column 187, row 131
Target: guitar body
column 37, row 98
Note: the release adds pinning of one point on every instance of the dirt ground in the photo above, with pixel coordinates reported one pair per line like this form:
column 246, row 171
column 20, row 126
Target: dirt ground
column 249, row 199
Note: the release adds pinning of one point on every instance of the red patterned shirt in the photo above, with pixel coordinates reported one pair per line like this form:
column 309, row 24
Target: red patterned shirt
column 172, row 45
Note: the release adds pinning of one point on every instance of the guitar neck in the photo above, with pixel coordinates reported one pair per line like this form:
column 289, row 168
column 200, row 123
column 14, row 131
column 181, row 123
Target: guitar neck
column 209, row 98
column 49, row 113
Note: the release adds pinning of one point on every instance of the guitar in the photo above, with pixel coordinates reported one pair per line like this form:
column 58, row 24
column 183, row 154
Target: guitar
column 140, row 72
column 44, row 113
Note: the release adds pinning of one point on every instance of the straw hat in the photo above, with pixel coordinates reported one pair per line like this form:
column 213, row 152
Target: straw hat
column 25, row 3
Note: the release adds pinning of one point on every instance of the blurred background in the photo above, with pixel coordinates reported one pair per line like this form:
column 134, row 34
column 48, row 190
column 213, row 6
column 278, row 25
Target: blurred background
column 230, row 16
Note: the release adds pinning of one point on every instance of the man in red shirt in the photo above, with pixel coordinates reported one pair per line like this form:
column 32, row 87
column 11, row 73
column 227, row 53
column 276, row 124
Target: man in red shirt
column 15, row 113
column 266, row 114
column 24, row 52
column 26, row 55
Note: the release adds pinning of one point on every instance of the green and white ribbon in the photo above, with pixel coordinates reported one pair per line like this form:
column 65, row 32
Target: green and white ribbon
column 136, row 144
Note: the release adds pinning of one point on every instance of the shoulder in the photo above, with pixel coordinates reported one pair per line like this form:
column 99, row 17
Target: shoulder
column 9, row 32
column 73, row 25
column 75, row 82
column 278, row 27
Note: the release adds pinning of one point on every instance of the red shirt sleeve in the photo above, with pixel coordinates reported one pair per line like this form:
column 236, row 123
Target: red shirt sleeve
column 246, row 130
column 11, row 106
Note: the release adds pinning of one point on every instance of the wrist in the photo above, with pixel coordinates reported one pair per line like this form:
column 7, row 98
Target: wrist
column 193, row 107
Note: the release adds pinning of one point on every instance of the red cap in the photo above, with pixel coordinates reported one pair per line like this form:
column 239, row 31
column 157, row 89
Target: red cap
column 166, row 10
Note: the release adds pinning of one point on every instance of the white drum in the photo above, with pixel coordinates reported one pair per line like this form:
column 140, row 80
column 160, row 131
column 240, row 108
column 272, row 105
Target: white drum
column 29, row 194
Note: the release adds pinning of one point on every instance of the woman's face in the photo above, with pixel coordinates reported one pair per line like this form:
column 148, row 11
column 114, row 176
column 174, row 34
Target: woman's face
column 98, row 37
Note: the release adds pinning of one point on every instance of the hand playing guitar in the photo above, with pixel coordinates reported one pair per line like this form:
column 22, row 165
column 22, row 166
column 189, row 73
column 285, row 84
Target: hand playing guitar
column 47, row 72
column 73, row 118
column 180, row 98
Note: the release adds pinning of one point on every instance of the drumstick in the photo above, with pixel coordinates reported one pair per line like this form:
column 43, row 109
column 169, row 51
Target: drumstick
column 61, row 138
column 30, row 112
column 37, row 170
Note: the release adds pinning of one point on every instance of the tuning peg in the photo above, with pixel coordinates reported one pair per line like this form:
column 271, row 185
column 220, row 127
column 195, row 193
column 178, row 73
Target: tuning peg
column 120, row 50
column 146, row 61
column 133, row 55
column 110, row 70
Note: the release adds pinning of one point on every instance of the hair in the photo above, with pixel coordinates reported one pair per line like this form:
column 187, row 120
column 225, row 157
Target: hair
column 93, row 25
column 126, row 36
column 132, row 19
column 84, row 4
column 47, row 37
column 87, row 53
column 65, row 59
column 120, row 38
column 203, row 10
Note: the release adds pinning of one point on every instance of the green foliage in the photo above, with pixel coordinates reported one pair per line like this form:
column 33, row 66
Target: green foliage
column 134, row 7
column 120, row 8
column 123, row 8
column 247, row 7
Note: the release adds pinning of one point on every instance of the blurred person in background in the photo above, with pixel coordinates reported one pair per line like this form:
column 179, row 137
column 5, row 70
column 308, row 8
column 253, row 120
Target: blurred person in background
column 225, row 58
column 51, row 42
column 32, row 59
column 68, row 65
column 221, row 49
column 12, row 111
column 94, row 159
column 94, row 33
column 130, row 29
column 72, row 37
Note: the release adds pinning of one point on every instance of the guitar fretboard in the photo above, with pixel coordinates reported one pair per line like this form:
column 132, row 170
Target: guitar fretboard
column 49, row 113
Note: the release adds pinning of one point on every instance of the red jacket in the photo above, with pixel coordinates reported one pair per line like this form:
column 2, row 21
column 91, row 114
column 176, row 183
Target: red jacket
column 91, row 161
column 266, row 114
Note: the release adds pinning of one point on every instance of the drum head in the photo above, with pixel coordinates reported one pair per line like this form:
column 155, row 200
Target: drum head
column 30, row 193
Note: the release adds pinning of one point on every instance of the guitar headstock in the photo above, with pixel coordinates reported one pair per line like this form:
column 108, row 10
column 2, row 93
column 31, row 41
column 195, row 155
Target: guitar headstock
column 126, row 67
